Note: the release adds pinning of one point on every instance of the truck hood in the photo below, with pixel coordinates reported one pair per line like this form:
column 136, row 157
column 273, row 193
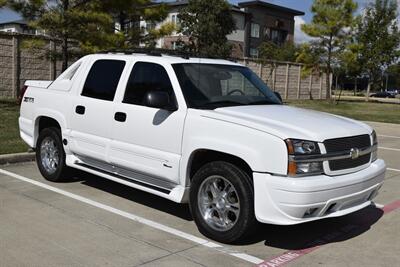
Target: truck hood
column 290, row 122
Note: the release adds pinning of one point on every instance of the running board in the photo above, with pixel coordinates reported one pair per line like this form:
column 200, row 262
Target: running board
column 137, row 178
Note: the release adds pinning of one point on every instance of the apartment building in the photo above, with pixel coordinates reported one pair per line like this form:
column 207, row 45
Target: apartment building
column 256, row 22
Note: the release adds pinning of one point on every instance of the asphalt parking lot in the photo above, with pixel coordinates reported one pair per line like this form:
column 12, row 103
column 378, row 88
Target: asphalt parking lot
column 95, row 222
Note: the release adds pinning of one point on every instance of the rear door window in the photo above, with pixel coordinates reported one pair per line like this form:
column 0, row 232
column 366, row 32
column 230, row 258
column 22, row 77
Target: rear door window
column 103, row 79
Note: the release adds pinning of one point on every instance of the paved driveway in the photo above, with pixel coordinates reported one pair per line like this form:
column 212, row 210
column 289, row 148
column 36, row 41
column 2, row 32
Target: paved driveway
column 95, row 222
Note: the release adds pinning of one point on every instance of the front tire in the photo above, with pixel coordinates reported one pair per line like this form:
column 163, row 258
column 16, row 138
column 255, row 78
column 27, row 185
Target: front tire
column 222, row 202
column 50, row 155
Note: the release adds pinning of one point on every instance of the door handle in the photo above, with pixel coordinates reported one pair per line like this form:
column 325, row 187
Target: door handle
column 120, row 116
column 80, row 110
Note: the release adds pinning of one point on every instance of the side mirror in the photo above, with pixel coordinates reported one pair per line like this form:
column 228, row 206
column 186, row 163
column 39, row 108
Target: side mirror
column 278, row 95
column 159, row 99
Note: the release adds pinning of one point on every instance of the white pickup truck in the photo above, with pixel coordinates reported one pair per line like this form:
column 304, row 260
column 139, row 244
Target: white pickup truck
column 204, row 131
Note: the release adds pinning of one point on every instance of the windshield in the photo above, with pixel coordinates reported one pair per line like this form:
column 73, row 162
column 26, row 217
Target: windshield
column 210, row 86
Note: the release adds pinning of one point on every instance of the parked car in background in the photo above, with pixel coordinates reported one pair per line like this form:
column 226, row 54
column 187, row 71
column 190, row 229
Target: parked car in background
column 394, row 92
column 384, row 94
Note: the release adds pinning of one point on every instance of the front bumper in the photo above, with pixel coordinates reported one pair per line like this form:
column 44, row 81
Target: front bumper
column 284, row 200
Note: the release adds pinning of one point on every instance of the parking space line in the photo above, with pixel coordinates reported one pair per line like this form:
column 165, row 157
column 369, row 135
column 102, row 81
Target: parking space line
column 293, row 255
column 389, row 148
column 139, row 219
column 391, row 169
column 388, row 136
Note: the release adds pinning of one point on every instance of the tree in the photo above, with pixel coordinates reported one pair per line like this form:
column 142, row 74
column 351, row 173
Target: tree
column 330, row 24
column 378, row 37
column 271, row 52
column 206, row 24
column 312, row 58
column 129, row 14
column 73, row 22
column 285, row 52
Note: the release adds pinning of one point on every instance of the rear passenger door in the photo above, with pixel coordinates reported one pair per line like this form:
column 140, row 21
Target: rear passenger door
column 148, row 141
column 92, row 115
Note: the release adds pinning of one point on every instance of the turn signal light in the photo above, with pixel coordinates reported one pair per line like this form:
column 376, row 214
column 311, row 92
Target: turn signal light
column 292, row 168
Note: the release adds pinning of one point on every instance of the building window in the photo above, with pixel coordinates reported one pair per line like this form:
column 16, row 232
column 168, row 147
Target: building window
column 255, row 30
column 176, row 45
column 254, row 52
column 277, row 36
column 150, row 26
column 175, row 19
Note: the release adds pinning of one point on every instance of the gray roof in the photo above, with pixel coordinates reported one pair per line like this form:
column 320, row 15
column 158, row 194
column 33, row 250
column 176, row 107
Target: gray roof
column 243, row 4
column 178, row 3
column 271, row 6
column 19, row 21
column 186, row 2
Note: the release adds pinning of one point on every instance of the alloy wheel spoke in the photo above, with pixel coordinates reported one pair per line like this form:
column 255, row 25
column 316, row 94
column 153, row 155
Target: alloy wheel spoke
column 218, row 202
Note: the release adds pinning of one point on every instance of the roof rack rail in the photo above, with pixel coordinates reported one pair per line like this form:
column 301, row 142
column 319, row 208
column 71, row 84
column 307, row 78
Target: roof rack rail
column 158, row 52
column 149, row 51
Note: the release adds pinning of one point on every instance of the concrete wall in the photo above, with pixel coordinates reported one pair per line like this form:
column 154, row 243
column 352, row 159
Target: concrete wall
column 286, row 79
column 18, row 64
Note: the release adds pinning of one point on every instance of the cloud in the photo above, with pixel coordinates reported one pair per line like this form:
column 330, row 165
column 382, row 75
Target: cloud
column 299, row 35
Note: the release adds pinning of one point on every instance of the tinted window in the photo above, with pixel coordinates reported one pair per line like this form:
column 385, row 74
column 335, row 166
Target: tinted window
column 103, row 78
column 211, row 86
column 145, row 77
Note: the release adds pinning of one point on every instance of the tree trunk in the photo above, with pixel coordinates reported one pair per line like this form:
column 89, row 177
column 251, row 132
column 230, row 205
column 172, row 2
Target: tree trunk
column 64, row 45
column 368, row 90
column 65, row 57
column 329, row 70
column 122, row 21
column 328, row 84
column 355, row 86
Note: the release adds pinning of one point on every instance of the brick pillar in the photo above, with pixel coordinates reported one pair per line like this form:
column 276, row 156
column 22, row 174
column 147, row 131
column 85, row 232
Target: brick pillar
column 16, row 66
column 299, row 83
column 287, row 82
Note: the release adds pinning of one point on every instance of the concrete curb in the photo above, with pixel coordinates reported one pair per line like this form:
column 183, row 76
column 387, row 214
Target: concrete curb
column 17, row 158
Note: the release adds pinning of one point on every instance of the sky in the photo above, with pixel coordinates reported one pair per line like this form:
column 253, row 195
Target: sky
column 302, row 5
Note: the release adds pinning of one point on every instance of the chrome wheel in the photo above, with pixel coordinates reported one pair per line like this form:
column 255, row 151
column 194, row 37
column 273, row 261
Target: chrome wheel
column 49, row 155
column 218, row 203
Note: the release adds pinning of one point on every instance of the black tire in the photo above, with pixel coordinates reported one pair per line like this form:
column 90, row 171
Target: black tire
column 245, row 193
column 61, row 172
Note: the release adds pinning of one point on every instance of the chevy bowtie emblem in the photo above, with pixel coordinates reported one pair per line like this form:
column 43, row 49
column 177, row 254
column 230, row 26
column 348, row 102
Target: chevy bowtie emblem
column 354, row 153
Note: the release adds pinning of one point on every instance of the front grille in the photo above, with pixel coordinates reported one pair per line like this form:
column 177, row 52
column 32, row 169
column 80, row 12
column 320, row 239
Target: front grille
column 346, row 144
column 342, row 164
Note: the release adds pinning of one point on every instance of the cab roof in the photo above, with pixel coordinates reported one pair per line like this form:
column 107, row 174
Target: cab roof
column 162, row 58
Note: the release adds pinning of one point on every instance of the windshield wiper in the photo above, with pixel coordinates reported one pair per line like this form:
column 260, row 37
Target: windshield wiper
column 221, row 103
column 263, row 102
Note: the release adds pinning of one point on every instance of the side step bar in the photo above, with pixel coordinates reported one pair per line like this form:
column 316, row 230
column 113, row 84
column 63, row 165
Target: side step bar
column 141, row 179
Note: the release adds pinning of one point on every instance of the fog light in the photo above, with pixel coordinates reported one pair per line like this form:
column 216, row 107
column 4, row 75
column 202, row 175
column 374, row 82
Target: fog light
column 309, row 168
column 310, row 212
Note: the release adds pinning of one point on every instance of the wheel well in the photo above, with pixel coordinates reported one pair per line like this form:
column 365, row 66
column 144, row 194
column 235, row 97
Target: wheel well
column 46, row 122
column 202, row 157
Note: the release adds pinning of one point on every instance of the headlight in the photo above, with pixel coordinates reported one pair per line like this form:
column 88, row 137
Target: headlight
column 374, row 153
column 302, row 149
